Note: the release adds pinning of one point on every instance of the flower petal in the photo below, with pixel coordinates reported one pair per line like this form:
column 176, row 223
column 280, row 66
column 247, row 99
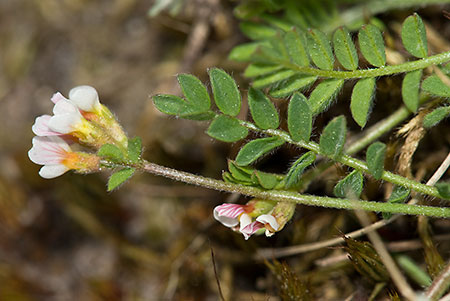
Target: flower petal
column 65, row 107
column 65, row 123
column 268, row 219
column 85, row 98
column 57, row 97
column 40, row 126
column 52, row 171
column 48, row 150
column 244, row 221
column 251, row 229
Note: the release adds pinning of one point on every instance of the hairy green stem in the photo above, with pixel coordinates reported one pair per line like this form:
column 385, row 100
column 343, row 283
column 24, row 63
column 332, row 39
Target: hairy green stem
column 349, row 161
column 374, row 72
column 290, row 196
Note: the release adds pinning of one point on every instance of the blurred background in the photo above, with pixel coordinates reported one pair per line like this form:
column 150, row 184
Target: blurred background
column 67, row 238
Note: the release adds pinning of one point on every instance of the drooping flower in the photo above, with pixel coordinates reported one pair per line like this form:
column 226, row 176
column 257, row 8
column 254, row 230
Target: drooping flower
column 270, row 223
column 57, row 157
column 228, row 214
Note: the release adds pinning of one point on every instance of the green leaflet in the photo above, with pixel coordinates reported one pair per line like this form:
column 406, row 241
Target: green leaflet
column 294, row 83
column 410, row 89
column 242, row 174
column 414, row 36
column 134, row 149
column 344, row 49
column 226, row 93
column 194, row 92
column 371, row 45
column 259, row 69
column 277, row 43
column 172, row 105
column 263, row 111
column 299, row 118
column 323, row 95
column 398, row 195
column 361, row 100
column 332, row 139
column 351, row 186
column 257, row 31
column 434, row 86
column 111, row 152
column 293, row 175
column 295, row 42
column 444, row 190
column 265, row 180
column 119, row 177
column 253, row 150
column 436, row 116
column 272, row 78
column 244, row 52
column 375, row 159
column 320, row 49
column 227, row 129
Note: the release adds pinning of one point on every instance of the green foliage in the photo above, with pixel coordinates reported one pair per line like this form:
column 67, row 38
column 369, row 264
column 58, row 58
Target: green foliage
column 134, row 149
column 111, row 153
column 263, row 111
column 265, row 180
column 299, row 118
column 414, row 36
column 293, row 175
column 173, row 105
column 434, row 86
column 410, row 89
column 398, row 195
column 257, row 31
column 244, row 52
column 227, row 129
column 295, row 42
column 272, row 78
column 322, row 96
column 344, row 49
column 361, row 101
column 371, row 44
column 320, row 49
column 351, row 186
column 444, row 189
column 436, row 116
column 375, row 155
column 119, row 177
column 226, row 93
column 295, row 83
column 332, row 139
column 194, row 92
column 253, row 150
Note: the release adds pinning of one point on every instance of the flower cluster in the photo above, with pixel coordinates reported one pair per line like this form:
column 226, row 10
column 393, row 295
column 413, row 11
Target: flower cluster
column 79, row 119
column 255, row 217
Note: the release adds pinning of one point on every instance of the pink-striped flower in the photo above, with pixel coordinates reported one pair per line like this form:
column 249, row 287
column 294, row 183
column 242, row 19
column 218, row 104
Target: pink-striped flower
column 57, row 157
column 229, row 214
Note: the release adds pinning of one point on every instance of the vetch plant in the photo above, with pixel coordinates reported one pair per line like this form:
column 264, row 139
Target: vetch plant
column 282, row 62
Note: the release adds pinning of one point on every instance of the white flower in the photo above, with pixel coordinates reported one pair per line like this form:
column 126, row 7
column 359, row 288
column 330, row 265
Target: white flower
column 228, row 214
column 270, row 223
column 85, row 98
column 51, row 152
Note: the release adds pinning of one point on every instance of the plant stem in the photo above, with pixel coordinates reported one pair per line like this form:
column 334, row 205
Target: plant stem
column 349, row 161
column 290, row 196
column 374, row 72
